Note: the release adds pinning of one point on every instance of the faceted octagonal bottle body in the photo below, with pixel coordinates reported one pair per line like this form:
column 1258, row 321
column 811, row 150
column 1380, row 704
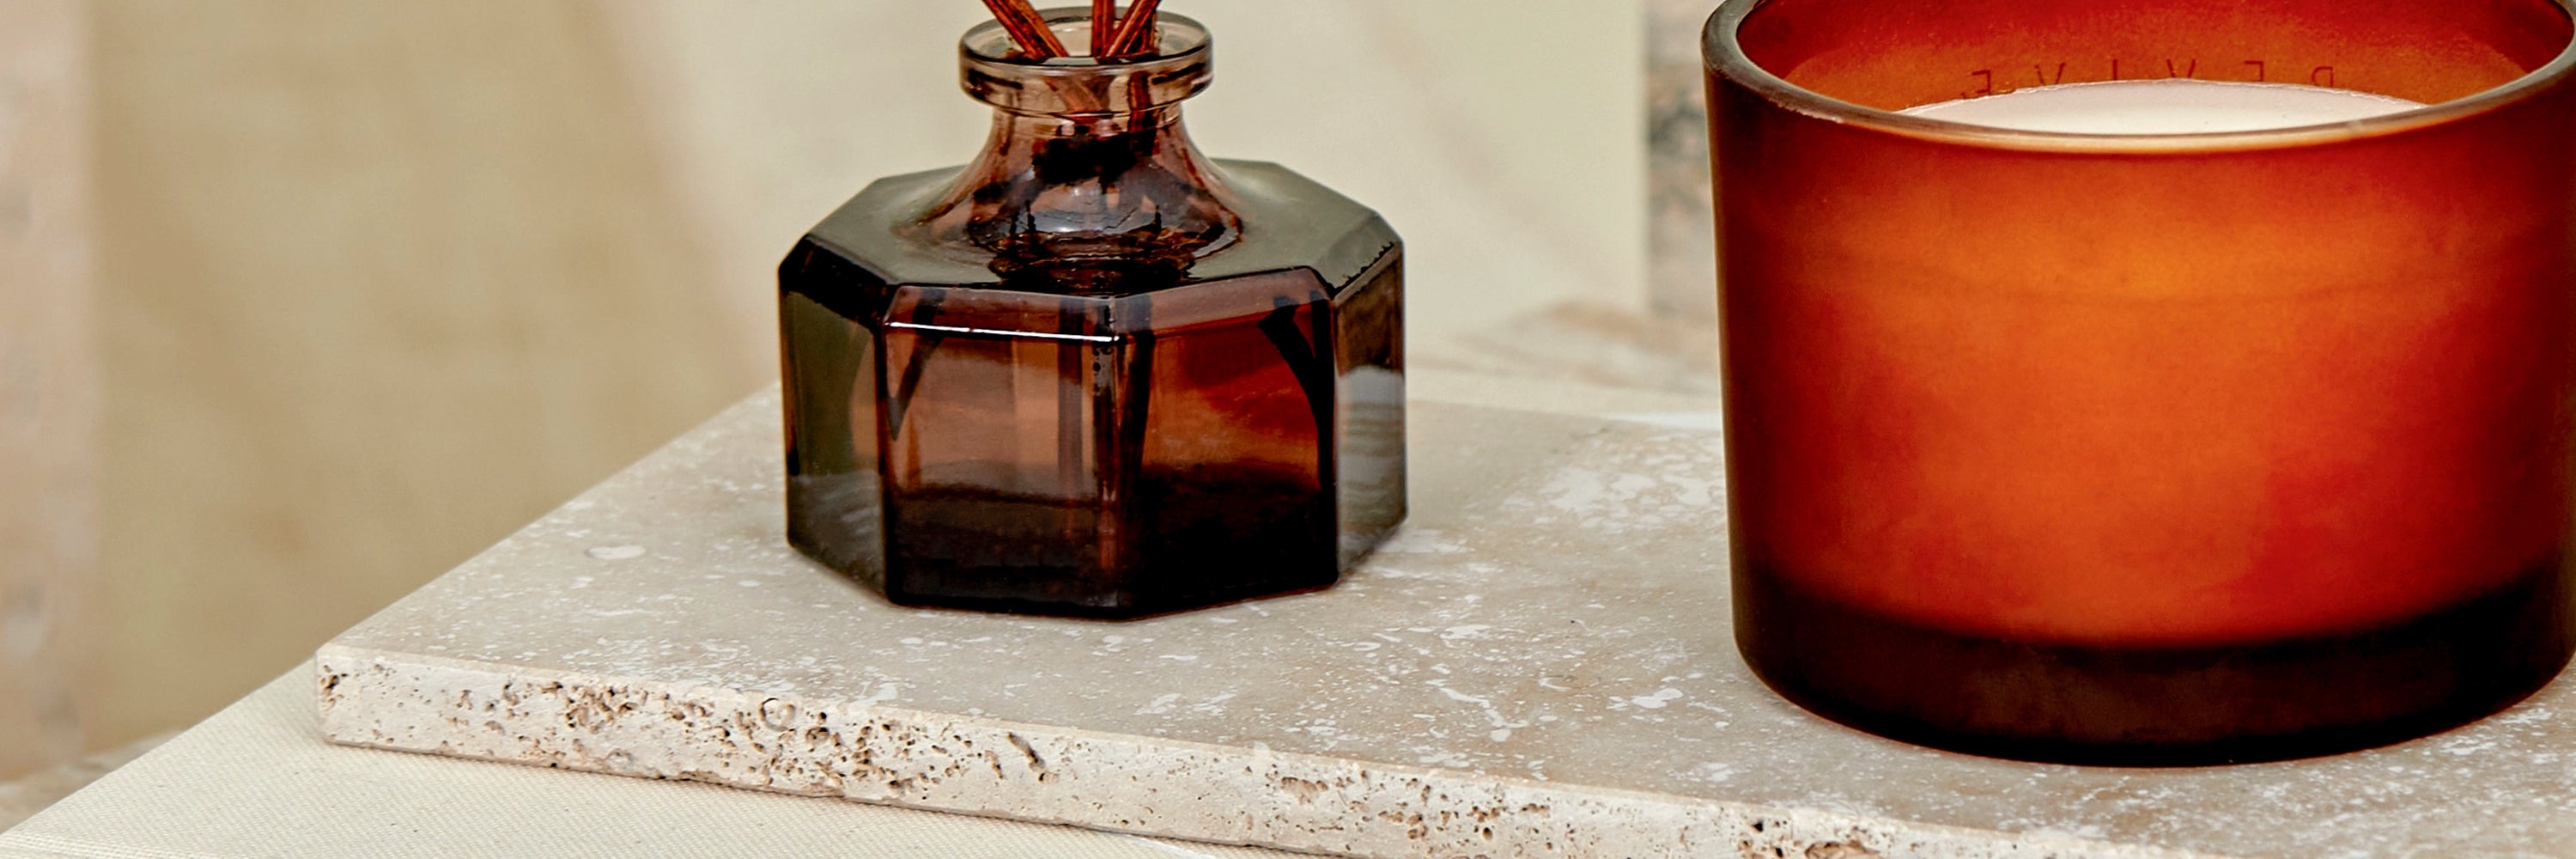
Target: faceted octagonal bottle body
column 1155, row 440
column 1093, row 372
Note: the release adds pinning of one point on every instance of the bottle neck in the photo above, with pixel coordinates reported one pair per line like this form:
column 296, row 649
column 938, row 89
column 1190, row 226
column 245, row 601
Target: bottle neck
column 1051, row 191
column 1066, row 165
column 1088, row 169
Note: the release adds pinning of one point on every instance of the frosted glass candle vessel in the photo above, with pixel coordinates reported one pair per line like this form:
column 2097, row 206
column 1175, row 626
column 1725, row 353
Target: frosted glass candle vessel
column 2140, row 448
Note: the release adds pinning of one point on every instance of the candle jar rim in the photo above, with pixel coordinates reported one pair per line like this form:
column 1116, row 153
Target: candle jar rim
column 1724, row 55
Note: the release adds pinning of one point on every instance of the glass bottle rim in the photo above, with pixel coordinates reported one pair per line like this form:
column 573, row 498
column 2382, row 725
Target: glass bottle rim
column 1724, row 54
column 1079, row 85
column 1185, row 42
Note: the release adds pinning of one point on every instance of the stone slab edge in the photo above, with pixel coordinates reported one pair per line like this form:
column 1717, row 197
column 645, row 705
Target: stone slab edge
column 866, row 751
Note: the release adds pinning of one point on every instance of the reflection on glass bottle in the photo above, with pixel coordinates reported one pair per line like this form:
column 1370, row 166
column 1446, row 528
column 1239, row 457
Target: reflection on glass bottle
column 1094, row 373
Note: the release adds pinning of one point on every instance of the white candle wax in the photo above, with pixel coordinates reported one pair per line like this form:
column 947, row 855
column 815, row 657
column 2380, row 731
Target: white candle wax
column 2165, row 107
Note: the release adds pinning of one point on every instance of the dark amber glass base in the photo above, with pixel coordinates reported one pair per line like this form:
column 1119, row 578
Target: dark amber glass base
column 1211, row 536
column 2157, row 706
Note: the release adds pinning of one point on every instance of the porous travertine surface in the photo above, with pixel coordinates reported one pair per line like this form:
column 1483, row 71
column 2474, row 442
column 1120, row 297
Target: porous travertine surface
column 1538, row 665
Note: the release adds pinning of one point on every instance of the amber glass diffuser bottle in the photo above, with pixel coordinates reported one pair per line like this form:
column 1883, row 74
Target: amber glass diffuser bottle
column 1094, row 372
column 2148, row 449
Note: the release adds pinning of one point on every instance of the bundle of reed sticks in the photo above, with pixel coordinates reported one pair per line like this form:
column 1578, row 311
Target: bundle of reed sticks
column 1114, row 37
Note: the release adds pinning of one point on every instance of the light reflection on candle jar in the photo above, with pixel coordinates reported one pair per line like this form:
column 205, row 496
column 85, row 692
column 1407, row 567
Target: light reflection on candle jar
column 2148, row 449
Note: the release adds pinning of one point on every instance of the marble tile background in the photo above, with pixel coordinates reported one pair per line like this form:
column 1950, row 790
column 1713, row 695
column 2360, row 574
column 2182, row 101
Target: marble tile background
column 1682, row 255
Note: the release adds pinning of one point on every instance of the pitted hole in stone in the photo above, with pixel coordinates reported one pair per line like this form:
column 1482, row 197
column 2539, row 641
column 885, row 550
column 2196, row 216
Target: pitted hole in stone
column 778, row 713
column 1840, row 850
column 1305, row 791
column 616, row 553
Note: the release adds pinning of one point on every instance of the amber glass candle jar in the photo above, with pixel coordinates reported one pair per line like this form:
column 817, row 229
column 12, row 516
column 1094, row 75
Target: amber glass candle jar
column 2148, row 449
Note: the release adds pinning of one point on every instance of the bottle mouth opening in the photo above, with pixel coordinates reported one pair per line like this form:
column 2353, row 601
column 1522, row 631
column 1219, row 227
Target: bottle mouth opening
column 996, row 73
column 1182, row 40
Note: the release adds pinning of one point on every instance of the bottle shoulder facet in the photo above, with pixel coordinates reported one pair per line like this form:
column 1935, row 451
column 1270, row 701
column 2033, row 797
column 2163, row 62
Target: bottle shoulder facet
column 869, row 230
column 1290, row 222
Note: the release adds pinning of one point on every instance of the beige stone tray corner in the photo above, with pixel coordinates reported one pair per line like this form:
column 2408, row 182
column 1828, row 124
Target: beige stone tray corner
column 1539, row 665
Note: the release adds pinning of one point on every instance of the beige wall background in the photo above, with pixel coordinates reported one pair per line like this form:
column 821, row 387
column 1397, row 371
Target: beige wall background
column 48, row 391
column 1500, row 137
column 377, row 282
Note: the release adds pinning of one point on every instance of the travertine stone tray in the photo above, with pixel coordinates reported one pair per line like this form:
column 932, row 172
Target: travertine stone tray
column 1539, row 665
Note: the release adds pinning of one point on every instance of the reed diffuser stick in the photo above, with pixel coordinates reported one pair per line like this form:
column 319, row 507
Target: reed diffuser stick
column 1135, row 31
column 1104, row 27
column 1027, row 28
